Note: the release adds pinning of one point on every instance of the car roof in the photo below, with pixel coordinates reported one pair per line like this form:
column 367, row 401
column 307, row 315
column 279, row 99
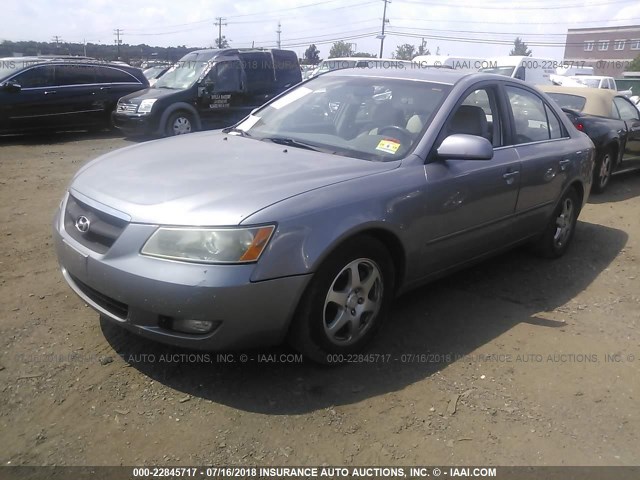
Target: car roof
column 598, row 100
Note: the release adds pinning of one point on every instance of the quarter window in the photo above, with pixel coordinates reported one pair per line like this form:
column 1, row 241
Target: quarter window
column 114, row 75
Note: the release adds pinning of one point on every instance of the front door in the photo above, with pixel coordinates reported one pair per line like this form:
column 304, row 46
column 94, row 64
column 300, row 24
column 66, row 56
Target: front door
column 221, row 95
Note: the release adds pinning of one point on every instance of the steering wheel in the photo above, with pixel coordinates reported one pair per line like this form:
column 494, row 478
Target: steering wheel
column 405, row 135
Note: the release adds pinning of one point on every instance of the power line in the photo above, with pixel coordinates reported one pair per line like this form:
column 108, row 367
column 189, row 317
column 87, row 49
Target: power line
column 517, row 6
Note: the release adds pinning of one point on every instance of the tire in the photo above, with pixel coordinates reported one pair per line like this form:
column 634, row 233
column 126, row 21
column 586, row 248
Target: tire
column 557, row 236
column 180, row 123
column 602, row 171
column 338, row 313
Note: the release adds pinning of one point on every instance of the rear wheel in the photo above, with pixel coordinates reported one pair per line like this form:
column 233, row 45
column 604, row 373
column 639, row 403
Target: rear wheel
column 180, row 123
column 557, row 237
column 346, row 301
column 602, row 171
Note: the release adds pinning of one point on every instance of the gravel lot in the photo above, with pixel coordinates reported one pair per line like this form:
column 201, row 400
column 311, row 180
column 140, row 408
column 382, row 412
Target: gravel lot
column 517, row 361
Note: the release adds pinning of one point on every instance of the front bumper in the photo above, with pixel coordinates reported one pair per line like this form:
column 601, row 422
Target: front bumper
column 144, row 295
column 131, row 124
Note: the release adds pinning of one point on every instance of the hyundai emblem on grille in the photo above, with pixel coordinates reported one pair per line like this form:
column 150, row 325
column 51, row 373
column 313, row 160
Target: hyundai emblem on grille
column 83, row 224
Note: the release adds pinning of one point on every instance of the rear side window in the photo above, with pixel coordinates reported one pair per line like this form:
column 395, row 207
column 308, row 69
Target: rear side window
column 533, row 120
column 75, row 74
column 258, row 68
column 287, row 68
column 40, row 76
column 115, row 75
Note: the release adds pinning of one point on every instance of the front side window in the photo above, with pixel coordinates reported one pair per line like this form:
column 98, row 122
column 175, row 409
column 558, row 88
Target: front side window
column 37, row 77
column 375, row 119
column 224, row 77
column 478, row 115
column 531, row 123
column 626, row 109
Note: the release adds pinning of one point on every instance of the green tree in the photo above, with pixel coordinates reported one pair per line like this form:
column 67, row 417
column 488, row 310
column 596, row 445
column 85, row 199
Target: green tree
column 405, row 52
column 311, row 55
column 340, row 49
column 222, row 43
column 634, row 66
column 520, row 48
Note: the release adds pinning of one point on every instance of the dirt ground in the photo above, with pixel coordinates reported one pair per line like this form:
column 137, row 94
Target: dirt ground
column 518, row 361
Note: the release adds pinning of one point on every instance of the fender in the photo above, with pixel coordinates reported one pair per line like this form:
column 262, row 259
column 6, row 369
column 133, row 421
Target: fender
column 174, row 107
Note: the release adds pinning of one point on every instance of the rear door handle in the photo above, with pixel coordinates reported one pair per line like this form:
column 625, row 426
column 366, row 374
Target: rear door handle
column 564, row 164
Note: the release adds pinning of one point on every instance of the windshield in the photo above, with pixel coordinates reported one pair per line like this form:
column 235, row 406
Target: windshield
column 184, row 73
column 506, row 71
column 153, row 72
column 369, row 118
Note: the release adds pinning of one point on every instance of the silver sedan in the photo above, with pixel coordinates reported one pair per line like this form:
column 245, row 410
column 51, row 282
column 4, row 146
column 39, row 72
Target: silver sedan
column 305, row 220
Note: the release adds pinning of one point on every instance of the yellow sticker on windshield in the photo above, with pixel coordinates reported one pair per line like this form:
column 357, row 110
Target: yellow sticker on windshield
column 388, row 146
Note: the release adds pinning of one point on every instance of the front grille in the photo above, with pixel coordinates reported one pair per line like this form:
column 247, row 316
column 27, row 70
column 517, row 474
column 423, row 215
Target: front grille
column 119, row 309
column 102, row 229
column 127, row 108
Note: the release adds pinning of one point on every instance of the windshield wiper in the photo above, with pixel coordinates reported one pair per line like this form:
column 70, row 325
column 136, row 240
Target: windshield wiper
column 236, row 130
column 291, row 142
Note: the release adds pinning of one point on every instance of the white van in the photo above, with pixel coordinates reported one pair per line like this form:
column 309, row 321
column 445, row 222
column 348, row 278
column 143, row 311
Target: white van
column 536, row 71
column 465, row 64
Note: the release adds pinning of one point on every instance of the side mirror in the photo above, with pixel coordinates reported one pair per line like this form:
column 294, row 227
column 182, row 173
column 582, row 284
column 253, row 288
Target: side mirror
column 465, row 147
column 11, row 86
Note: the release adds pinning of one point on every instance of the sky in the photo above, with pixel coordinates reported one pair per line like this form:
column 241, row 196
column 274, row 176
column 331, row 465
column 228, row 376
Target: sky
column 467, row 28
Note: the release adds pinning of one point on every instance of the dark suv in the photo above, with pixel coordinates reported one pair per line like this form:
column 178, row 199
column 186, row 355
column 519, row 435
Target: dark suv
column 208, row 89
column 38, row 93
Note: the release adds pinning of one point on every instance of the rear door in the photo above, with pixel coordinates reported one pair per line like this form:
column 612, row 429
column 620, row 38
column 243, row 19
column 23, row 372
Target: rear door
column 545, row 151
column 76, row 95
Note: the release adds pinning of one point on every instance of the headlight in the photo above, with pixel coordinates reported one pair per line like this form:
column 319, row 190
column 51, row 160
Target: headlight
column 145, row 105
column 207, row 245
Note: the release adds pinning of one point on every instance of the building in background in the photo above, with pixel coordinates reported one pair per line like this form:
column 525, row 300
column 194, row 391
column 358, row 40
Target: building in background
column 609, row 50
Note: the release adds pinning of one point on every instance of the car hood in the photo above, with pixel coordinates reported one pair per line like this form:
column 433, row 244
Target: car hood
column 148, row 93
column 210, row 178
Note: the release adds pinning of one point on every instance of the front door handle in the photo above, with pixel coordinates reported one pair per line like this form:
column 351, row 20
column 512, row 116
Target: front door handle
column 510, row 176
column 564, row 164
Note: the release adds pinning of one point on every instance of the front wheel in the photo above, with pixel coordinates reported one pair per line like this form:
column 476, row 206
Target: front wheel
column 346, row 301
column 602, row 171
column 557, row 236
column 180, row 123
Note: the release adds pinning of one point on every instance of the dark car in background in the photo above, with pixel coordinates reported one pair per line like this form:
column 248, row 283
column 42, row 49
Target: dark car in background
column 40, row 93
column 306, row 219
column 612, row 122
column 208, row 89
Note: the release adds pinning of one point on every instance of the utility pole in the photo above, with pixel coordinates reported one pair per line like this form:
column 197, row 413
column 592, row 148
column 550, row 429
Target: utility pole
column 57, row 39
column 279, row 31
column 384, row 21
column 219, row 24
column 117, row 32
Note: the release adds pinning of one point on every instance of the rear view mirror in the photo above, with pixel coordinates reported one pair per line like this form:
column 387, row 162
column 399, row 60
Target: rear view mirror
column 460, row 146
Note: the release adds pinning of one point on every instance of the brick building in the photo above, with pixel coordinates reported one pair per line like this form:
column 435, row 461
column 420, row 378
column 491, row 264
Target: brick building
column 608, row 49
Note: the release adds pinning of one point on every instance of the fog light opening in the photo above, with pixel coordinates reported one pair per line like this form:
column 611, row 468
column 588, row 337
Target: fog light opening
column 189, row 325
